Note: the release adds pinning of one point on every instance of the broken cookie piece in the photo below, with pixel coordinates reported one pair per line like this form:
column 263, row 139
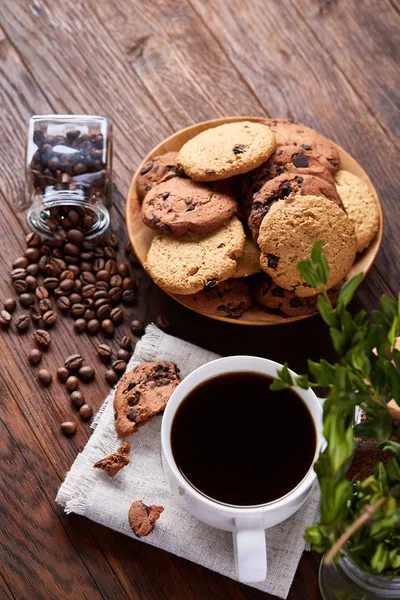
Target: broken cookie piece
column 113, row 463
column 142, row 518
column 142, row 394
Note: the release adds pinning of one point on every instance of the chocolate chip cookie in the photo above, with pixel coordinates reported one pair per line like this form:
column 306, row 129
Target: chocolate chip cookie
column 142, row 518
column 158, row 169
column 113, row 463
column 283, row 186
column 143, row 393
column 296, row 159
column 230, row 298
column 249, row 262
column 227, row 150
column 181, row 206
column 289, row 231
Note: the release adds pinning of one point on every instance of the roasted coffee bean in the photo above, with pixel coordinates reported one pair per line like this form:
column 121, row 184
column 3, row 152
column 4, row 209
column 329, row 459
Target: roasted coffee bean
column 78, row 286
column 77, row 399
column 125, row 342
column 111, row 267
column 137, row 327
column 98, row 251
column 89, row 244
column 67, row 274
column 26, row 299
column 100, row 295
column 33, row 239
column 67, row 285
column 75, row 236
column 89, row 314
column 31, row 282
column 51, row 283
column 20, row 263
column 128, row 296
column 102, row 285
column 17, row 274
column 10, row 304
column 87, row 222
column 80, row 325
column 88, row 290
column 20, row 286
column 68, row 428
column 35, row 356
column 74, row 361
column 86, row 373
column 115, row 295
column 88, row 303
column 123, row 269
column 116, row 315
column 104, row 351
column 62, row 374
column 100, row 302
column 74, row 269
column 162, row 322
column 87, row 278
column 74, row 217
column 5, row 318
column 32, row 269
column 103, row 275
column 116, row 281
column 49, row 318
column 42, row 263
column 86, row 256
column 119, row 366
column 71, row 249
column 44, row 376
column 36, row 315
column 86, row 412
column 63, row 303
column 75, row 298
column 110, row 252
column 103, row 312
column 86, row 266
column 129, row 283
column 45, row 305
column 58, row 292
column 72, row 383
column 22, row 322
column 42, row 337
column 111, row 376
column 93, row 326
column 32, row 254
column 57, row 253
column 107, row 326
column 112, row 240
column 123, row 355
column 98, row 264
column 41, row 292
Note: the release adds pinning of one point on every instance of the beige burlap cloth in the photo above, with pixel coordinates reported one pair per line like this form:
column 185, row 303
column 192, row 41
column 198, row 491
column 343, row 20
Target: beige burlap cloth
column 93, row 494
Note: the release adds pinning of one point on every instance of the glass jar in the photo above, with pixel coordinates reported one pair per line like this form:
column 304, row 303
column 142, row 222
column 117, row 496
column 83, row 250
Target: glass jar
column 68, row 166
column 345, row 580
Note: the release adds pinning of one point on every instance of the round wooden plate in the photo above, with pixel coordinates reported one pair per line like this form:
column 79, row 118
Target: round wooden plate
column 141, row 236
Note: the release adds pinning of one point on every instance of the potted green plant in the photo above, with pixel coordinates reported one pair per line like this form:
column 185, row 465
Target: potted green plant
column 359, row 525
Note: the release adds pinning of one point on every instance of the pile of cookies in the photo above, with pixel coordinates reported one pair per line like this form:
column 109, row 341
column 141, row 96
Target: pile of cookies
column 240, row 205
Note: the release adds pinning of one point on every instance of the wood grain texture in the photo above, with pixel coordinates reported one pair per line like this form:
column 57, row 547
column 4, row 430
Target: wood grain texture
column 155, row 67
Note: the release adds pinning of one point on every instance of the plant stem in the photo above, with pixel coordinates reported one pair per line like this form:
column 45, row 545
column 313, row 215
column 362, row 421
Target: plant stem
column 359, row 522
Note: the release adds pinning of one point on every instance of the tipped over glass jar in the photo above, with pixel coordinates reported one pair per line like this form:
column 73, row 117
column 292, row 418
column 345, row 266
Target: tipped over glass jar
column 68, row 168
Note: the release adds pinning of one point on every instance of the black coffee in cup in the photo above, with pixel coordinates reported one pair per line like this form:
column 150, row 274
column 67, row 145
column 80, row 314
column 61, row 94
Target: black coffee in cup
column 239, row 443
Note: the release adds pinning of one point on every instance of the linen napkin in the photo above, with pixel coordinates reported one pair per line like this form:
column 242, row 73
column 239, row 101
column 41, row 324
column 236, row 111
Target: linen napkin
column 93, row 494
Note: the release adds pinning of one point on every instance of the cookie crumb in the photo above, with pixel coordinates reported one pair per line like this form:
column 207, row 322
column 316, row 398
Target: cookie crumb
column 142, row 518
column 113, row 463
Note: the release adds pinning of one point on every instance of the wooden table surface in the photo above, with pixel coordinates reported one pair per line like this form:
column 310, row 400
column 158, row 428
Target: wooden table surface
column 155, row 67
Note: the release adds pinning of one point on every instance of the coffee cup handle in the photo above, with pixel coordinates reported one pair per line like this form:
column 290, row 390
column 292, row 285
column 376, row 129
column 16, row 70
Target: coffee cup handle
column 250, row 550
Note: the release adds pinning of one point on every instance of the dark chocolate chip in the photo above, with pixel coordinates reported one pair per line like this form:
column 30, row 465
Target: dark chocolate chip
column 239, row 149
column 300, row 161
column 295, row 302
column 273, row 261
column 278, row 292
column 146, row 168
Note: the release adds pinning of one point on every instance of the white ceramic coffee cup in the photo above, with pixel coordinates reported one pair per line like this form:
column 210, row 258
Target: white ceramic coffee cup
column 248, row 524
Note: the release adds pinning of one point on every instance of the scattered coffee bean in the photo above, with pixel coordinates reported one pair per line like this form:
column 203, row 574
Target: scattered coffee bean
column 77, row 399
column 128, row 296
column 51, row 283
column 67, row 285
column 10, row 305
column 68, row 428
column 89, row 314
column 102, row 285
column 86, row 373
column 22, row 322
column 63, row 303
column 125, row 342
column 123, row 269
column 26, row 299
column 20, row 263
column 129, row 283
column 31, row 282
column 5, row 318
column 17, row 274
column 104, row 351
column 36, row 315
column 74, row 361
column 115, row 295
column 86, row 412
column 42, row 337
column 162, row 322
column 32, row 254
column 119, row 366
column 41, row 292
column 33, row 239
column 75, row 298
column 62, row 374
column 117, row 315
column 103, row 312
column 35, row 356
column 45, row 305
column 80, row 325
column 123, row 354
column 77, row 310
column 93, row 326
column 32, row 269
column 72, row 383
column 112, row 240
column 111, row 376
column 88, row 290
column 137, row 327
column 103, row 275
column 45, row 377
column 67, row 274
column 20, row 286
column 108, row 327
column 49, row 318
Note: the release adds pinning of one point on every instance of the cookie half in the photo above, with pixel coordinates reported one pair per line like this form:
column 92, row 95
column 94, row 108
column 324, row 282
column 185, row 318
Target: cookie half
column 360, row 205
column 143, row 393
column 158, row 169
column 249, row 262
column 181, row 206
column 142, row 518
column 189, row 264
column 289, row 231
column 226, row 150
column 284, row 186
column 231, row 298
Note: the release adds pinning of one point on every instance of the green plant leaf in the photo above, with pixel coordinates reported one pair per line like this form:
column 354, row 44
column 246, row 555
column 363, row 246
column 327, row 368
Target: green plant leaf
column 392, row 447
column 316, row 251
column 348, row 290
column 389, row 307
column 339, row 340
column 323, row 372
column 327, row 312
column 380, row 558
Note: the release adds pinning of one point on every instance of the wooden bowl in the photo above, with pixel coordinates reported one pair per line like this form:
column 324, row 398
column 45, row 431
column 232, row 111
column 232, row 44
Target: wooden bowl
column 141, row 236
